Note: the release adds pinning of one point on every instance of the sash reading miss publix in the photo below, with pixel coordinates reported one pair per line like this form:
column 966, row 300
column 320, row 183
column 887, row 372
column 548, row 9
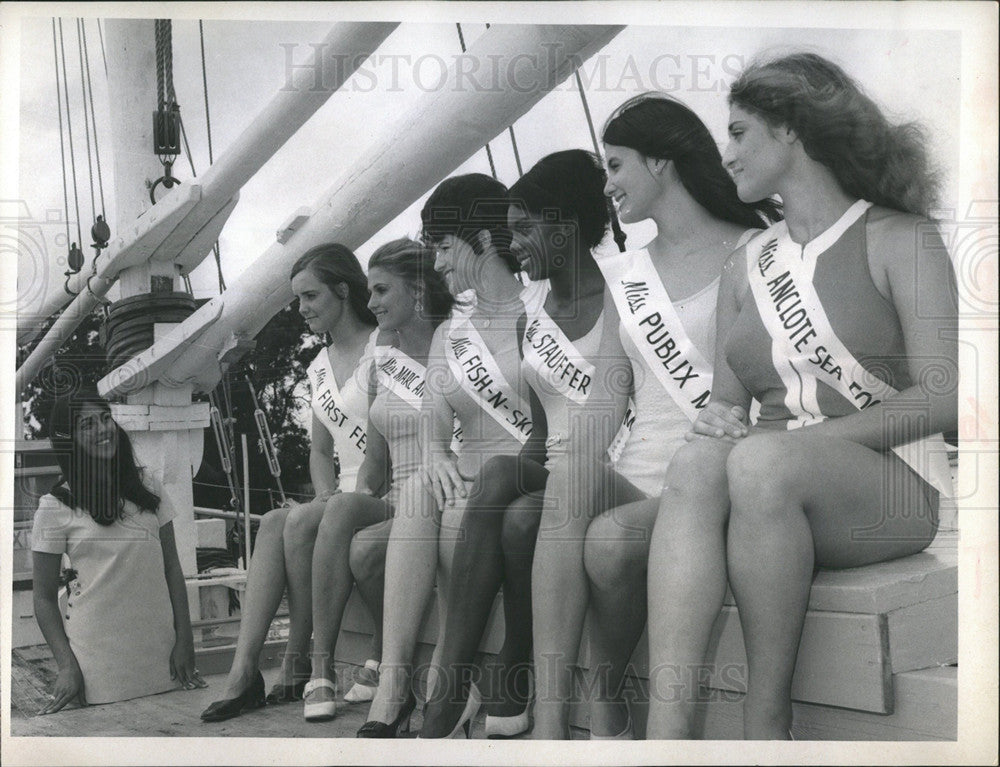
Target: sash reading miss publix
column 649, row 318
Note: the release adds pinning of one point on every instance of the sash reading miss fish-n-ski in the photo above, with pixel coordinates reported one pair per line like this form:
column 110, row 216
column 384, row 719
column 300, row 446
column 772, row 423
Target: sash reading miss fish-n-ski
column 805, row 348
column 478, row 373
column 649, row 317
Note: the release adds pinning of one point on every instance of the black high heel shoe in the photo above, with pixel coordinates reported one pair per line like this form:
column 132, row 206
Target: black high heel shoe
column 401, row 723
column 286, row 693
column 252, row 697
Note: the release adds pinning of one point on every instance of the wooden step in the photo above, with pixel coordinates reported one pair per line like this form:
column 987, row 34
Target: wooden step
column 865, row 626
column 926, row 708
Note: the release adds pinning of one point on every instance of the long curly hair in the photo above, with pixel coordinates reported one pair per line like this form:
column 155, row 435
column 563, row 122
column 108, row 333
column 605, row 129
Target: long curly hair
column 659, row 126
column 414, row 263
column 842, row 128
column 96, row 485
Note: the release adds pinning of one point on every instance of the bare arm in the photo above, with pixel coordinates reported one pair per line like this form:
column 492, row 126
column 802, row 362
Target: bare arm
column 726, row 415
column 440, row 472
column 182, row 656
column 321, row 464
column 374, row 474
column 45, row 584
column 910, row 264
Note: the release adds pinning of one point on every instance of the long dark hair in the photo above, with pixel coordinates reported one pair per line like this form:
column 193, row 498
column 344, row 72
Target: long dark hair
column 414, row 263
column 98, row 486
column 463, row 206
column 335, row 264
column 659, row 126
column 571, row 183
column 842, row 128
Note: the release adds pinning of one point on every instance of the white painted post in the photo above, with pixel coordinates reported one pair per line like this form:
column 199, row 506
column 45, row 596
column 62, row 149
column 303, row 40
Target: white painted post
column 163, row 424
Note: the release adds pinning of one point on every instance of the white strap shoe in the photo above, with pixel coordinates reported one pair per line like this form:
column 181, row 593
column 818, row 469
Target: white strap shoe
column 319, row 711
column 365, row 685
column 627, row 734
column 508, row 726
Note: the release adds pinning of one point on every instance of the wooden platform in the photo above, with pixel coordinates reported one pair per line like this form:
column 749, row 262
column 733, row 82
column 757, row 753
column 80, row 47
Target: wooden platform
column 875, row 663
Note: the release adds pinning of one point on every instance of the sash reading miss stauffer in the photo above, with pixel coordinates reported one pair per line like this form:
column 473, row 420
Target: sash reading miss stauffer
column 649, row 317
column 560, row 367
column 478, row 373
column 805, row 348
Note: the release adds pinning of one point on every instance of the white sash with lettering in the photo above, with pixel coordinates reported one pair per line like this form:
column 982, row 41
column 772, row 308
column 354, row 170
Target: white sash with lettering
column 401, row 375
column 328, row 404
column 553, row 356
column 651, row 321
column 477, row 372
column 805, row 348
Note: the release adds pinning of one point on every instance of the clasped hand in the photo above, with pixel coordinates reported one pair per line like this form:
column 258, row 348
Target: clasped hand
column 720, row 421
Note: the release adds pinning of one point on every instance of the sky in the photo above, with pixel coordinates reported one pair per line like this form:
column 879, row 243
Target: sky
column 913, row 73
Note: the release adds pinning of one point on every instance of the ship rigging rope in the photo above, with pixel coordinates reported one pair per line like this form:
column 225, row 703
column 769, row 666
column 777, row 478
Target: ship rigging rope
column 86, row 115
column 616, row 227
column 165, row 64
column 93, row 117
column 489, row 152
column 187, row 148
column 69, row 128
column 513, row 143
column 204, row 83
column 100, row 34
column 62, row 149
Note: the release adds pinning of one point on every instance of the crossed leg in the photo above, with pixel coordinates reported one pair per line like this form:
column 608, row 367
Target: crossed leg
column 478, row 568
column 332, row 580
column 267, row 577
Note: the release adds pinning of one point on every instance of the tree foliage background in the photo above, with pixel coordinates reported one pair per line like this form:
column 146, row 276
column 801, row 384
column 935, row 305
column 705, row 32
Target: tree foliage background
column 277, row 367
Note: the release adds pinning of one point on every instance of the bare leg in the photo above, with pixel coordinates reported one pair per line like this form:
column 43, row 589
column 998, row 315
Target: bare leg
column 520, row 530
column 615, row 557
column 299, row 537
column 265, row 587
column 686, row 582
column 368, row 550
column 797, row 501
column 410, row 570
column 449, row 535
column 477, row 571
column 559, row 584
column 345, row 514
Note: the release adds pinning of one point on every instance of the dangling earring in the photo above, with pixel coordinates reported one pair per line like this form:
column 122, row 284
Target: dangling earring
column 418, row 307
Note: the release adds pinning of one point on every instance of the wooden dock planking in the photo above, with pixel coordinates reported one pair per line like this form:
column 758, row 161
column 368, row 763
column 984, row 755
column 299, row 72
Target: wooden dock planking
column 867, row 670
